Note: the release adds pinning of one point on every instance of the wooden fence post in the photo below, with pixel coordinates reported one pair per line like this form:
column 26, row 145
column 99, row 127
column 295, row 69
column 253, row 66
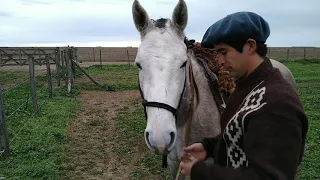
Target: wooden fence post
column 49, row 76
column 128, row 56
column 304, row 53
column 94, row 56
column 288, row 51
column 269, row 51
column 100, row 59
column 33, row 86
column 65, row 62
column 4, row 140
column 72, row 56
column 76, row 55
column 72, row 66
column 1, row 63
column 58, row 67
column 62, row 72
column 69, row 70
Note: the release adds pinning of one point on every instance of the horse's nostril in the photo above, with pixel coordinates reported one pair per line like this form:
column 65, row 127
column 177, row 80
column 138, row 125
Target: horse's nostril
column 173, row 136
column 147, row 138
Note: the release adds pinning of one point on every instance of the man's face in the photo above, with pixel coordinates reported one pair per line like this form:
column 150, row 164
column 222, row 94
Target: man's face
column 232, row 60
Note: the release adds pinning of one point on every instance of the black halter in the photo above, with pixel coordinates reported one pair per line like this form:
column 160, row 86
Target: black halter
column 173, row 110
column 146, row 103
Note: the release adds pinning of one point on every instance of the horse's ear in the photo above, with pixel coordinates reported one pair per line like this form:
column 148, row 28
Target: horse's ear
column 180, row 15
column 140, row 16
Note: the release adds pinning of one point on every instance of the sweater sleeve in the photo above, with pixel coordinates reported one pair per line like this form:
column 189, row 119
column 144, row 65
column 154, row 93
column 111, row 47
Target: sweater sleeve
column 273, row 143
column 209, row 144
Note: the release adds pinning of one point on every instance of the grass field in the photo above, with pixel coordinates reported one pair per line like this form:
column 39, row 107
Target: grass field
column 308, row 80
column 39, row 149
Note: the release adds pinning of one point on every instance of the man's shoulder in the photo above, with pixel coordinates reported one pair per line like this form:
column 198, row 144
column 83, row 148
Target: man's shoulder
column 276, row 96
column 278, row 89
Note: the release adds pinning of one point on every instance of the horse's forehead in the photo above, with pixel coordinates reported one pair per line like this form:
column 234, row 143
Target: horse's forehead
column 163, row 41
column 162, row 49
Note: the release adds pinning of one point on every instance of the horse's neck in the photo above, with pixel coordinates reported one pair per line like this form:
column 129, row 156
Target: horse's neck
column 206, row 116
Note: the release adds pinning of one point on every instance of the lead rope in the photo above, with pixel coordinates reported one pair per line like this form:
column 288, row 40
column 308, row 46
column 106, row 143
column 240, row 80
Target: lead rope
column 186, row 128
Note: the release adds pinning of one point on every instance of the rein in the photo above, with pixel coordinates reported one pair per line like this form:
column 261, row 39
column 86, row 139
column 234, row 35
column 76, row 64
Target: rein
column 186, row 128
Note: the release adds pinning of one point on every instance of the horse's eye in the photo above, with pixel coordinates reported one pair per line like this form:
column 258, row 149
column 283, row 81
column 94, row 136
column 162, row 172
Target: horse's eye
column 139, row 65
column 184, row 64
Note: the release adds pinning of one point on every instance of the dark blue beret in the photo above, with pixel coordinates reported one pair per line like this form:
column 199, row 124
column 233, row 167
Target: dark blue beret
column 236, row 27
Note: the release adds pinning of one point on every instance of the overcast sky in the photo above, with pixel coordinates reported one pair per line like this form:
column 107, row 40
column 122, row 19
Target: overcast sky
column 109, row 22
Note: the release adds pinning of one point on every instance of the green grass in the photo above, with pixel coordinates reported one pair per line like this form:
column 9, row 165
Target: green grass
column 111, row 77
column 36, row 142
column 9, row 79
column 308, row 81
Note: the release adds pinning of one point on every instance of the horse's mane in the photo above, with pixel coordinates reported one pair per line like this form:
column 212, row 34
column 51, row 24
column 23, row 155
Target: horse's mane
column 226, row 83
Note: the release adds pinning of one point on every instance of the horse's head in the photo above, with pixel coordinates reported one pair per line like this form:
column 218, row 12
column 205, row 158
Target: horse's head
column 161, row 59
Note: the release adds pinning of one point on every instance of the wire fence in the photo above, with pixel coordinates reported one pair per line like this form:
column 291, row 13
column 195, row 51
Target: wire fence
column 22, row 98
column 25, row 106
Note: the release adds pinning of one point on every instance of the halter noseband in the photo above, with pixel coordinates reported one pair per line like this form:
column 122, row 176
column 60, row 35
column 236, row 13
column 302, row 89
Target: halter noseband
column 160, row 105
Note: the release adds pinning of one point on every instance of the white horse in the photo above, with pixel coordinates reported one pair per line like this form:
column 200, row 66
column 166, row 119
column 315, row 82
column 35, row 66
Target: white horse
column 169, row 91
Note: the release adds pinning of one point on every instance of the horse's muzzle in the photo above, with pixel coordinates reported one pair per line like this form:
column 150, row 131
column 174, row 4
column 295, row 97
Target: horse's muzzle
column 160, row 143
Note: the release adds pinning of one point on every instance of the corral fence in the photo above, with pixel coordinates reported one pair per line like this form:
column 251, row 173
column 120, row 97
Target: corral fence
column 62, row 59
column 128, row 54
column 106, row 54
column 294, row 53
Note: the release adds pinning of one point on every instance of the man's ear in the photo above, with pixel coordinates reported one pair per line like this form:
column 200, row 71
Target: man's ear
column 252, row 46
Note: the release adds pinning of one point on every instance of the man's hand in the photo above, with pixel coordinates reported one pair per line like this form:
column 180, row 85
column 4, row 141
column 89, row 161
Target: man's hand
column 186, row 164
column 196, row 150
column 190, row 156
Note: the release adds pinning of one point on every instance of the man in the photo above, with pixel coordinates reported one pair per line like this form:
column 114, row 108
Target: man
column 264, row 125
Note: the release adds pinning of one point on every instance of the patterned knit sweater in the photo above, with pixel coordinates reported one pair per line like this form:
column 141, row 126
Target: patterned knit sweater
column 264, row 131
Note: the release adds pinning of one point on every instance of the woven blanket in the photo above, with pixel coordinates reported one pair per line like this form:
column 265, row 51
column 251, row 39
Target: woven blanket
column 210, row 56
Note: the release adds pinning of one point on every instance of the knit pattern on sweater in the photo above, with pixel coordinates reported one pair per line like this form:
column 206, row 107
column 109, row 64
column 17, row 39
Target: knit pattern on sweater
column 234, row 131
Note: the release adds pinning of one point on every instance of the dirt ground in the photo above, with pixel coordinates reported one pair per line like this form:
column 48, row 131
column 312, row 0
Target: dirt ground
column 92, row 147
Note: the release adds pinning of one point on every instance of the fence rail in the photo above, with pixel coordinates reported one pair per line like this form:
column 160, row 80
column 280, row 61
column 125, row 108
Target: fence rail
column 20, row 56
